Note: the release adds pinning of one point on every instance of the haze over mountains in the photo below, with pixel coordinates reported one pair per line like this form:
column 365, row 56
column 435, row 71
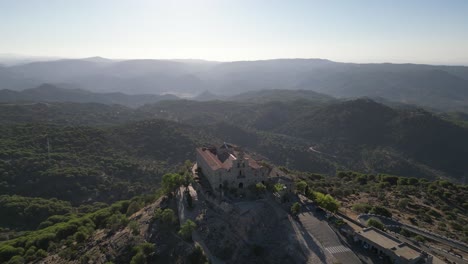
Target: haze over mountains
column 52, row 93
column 441, row 88
column 278, row 108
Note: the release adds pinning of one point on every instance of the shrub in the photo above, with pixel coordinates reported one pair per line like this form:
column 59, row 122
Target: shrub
column 380, row 210
column 373, row 222
column 419, row 238
column 7, row 252
column 40, row 254
column 406, row 233
column 80, row 237
column 278, row 187
column 16, row 260
column 133, row 225
column 142, row 252
column 146, row 248
column 362, row 208
column 133, row 207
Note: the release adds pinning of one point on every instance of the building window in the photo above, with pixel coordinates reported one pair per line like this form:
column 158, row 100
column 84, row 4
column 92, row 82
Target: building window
column 241, row 185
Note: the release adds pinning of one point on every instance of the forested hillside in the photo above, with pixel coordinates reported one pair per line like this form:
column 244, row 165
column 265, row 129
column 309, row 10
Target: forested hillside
column 62, row 164
column 87, row 164
column 54, row 93
column 359, row 134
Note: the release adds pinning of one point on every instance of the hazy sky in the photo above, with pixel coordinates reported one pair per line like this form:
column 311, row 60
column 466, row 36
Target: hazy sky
column 421, row 31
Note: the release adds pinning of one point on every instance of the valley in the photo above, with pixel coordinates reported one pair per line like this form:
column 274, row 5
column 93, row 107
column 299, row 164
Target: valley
column 226, row 132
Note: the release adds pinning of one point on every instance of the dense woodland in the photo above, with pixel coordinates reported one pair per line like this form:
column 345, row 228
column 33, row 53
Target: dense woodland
column 79, row 164
column 361, row 134
column 69, row 169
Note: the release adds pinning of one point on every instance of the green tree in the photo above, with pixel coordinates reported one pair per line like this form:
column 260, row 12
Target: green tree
column 327, row 201
column 301, row 186
column 186, row 229
column 139, row 258
column 278, row 187
column 295, row 208
column 188, row 165
column 16, row 260
column 166, row 216
column 142, row 252
column 171, row 181
column 7, row 252
column 260, row 188
column 80, row 237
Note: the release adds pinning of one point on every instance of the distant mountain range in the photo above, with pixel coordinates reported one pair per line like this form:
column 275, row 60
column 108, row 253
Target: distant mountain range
column 443, row 88
column 52, row 93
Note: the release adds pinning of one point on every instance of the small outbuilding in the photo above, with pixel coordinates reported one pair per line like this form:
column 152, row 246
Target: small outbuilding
column 399, row 252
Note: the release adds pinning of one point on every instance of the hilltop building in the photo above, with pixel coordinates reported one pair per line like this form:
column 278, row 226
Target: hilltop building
column 230, row 167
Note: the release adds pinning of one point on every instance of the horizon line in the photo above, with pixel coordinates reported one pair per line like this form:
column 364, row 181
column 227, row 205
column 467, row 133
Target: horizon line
column 50, row 58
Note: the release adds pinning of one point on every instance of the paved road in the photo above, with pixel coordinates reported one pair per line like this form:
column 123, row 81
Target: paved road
column 317, row 226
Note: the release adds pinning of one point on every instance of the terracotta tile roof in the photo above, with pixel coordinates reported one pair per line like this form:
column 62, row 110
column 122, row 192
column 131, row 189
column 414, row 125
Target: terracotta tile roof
column 253, row 164
column 226, row 161
column 210, row 158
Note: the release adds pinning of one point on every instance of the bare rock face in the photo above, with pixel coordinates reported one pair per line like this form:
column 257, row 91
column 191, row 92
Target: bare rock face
column 253, row 233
